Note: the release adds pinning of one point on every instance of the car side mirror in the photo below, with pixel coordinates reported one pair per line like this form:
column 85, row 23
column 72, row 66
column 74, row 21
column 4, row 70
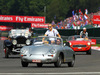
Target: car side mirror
column 66, row 44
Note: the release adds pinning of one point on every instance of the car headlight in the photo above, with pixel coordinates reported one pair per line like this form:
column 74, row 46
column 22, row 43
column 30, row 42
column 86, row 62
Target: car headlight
column 52, row 51
column 22, row 34
column 24, row 51
column 70, row 43
column 88, row 43
column 28, row 42
column 14, row 42
column 26, row 35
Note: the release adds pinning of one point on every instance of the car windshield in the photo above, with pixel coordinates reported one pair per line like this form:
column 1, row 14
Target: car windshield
column 77, row 38
column 19, row 31
column 47, row 40
column 73, row 37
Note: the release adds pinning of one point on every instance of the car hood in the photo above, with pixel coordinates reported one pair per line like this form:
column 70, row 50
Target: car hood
column 40, row 49
column 78, row 42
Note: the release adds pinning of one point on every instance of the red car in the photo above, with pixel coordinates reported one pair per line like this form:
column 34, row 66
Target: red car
column 79, row 44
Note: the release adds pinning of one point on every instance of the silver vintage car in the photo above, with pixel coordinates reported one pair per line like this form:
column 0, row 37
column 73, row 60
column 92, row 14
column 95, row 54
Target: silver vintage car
column 47, row 50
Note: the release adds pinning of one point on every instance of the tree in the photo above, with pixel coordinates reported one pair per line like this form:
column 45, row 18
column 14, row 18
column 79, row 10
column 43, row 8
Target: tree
column 4, row 7
column 59, row 8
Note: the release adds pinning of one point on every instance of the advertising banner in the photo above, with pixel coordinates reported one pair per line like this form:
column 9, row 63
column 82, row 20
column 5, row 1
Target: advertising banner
column 6, row 28
column 38, row 25
column 22, row 19
column 93, row 41
column 3, row 38
column 96, row 19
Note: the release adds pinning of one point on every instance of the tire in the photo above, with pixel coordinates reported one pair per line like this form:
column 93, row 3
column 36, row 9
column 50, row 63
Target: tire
column 39, row 64
column 59, row 61
column 6, row 53
column 71, row 64
column 24, row 64
column 88, row 52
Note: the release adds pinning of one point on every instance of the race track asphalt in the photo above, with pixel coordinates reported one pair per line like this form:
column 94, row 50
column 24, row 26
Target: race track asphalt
column 83, row 63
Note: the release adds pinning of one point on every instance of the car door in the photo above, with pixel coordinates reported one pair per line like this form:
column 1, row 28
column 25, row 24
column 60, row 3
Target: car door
column 66, row 53
column 70, row 51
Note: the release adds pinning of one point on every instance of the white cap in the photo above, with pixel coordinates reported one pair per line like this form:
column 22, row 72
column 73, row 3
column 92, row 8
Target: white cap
column 84, row 28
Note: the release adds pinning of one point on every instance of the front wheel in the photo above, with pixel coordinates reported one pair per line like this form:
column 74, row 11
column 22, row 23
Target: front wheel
column 6, row 53
column 39, row 64
column 59, row 62
column 88, row 52
column 71, row 64
column 24, row 64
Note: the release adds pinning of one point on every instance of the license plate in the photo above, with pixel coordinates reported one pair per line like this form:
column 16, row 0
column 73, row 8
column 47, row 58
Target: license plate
column 36, row 60
column 79, row 47
column 20, row 45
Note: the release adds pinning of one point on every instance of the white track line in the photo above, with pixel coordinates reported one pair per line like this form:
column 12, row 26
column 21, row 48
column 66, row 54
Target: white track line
column 67, row 73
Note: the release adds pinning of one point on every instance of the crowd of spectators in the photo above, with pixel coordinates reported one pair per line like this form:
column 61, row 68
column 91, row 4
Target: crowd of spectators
column 77, row 21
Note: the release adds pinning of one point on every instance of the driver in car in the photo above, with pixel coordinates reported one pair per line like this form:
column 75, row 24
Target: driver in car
column 58, row 41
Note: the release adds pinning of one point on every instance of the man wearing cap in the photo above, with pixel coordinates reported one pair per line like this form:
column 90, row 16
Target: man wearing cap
column 84, row 34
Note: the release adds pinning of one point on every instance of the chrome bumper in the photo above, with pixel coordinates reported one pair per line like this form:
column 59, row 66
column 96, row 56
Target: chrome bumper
column 16, row 50
column 42, row 58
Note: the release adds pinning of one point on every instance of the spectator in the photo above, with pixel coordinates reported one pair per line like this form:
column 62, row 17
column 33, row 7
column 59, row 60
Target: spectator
column 80, row 20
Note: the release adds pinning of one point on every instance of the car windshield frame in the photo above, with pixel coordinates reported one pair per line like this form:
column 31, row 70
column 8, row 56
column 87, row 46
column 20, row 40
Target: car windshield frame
column 19, row 32
column 77, row 38
column 47, row 40
column 73, row 37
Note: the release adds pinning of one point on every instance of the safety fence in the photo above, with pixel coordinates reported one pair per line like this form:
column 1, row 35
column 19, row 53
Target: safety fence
column 92, row 32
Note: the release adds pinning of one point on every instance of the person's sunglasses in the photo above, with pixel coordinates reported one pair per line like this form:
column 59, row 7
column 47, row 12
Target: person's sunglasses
column 49, row 26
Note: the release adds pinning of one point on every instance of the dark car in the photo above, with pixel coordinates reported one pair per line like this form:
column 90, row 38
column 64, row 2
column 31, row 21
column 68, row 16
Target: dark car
column 16, row 40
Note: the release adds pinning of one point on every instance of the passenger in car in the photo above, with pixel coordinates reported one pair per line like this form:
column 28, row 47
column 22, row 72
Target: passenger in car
column 52, row 33
column 84, row 34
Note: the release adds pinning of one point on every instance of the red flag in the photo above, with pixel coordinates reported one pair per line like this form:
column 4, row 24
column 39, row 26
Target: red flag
column 80, row 12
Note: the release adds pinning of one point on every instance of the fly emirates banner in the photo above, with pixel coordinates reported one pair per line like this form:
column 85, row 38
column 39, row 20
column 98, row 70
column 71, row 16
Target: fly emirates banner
column 22, row 19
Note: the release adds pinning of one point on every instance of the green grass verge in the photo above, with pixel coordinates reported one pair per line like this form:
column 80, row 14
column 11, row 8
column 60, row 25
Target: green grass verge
column 96, row 45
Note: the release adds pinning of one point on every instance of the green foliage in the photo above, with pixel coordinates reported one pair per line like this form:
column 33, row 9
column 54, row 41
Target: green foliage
column 49, row 8
column 96, row 45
